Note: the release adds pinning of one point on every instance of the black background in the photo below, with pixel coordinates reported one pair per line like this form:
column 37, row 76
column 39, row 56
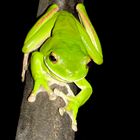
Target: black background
column 103, row 115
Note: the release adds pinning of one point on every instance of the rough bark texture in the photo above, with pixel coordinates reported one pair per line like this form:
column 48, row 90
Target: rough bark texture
column 68, row 5
column 41, row 120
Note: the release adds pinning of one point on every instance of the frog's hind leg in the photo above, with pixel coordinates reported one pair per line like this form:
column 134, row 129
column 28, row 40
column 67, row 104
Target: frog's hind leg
column 94, row 46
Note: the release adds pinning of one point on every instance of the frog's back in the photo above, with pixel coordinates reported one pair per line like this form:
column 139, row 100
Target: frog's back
column 66, row 33
column 65, row 24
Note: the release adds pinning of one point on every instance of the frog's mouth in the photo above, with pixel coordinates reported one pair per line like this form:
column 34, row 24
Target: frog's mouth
column 54, row 75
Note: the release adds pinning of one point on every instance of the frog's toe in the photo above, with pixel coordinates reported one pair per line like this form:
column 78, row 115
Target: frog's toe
column 52, row 97
column 61, row 111
column 32, row 98
column 74, row 127
column 60, row 94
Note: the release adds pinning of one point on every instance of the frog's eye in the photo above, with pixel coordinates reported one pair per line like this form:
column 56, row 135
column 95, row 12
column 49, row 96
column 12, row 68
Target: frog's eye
column 53, row 57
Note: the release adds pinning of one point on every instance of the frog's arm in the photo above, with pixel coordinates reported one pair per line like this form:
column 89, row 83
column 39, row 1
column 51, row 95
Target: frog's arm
column 38, row 34
column 74, row 102
column 39, row 75
column 91, row 40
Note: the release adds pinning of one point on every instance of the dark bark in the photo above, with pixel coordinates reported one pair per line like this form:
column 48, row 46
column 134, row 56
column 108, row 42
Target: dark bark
column 41, row 120
column 68, row 5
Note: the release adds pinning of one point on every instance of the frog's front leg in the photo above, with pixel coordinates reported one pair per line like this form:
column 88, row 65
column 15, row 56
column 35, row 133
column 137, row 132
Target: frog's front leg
column 39, row 76
column 74, row 102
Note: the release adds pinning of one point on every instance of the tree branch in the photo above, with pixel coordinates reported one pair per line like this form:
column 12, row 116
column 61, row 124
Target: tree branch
column 41, row 120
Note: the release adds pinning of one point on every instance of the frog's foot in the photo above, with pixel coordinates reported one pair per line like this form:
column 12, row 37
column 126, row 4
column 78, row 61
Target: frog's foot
column 71, row 107
column 41, row 86
column 33, row 95
column 25, row 66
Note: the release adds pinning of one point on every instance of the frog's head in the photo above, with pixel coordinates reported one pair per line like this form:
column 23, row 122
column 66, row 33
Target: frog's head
column 67, row 64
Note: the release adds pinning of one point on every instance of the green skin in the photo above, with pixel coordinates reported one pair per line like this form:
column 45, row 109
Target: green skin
column 66, row 46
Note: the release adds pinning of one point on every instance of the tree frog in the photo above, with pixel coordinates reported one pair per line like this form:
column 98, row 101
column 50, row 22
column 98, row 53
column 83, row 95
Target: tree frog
column 61, row 47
